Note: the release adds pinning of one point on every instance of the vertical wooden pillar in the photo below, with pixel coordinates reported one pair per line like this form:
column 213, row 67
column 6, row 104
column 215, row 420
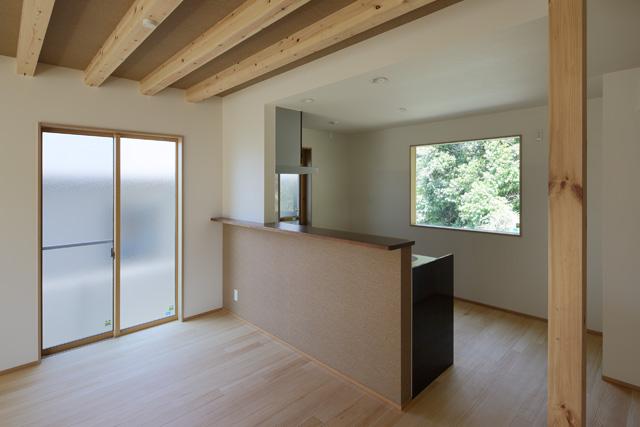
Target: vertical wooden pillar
column 567, row 213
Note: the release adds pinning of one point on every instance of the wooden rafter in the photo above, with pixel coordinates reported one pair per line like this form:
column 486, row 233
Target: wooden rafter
column 567, row 213
column 347, row 22
column 248, row 19
column 33, row 27
column 127, row 36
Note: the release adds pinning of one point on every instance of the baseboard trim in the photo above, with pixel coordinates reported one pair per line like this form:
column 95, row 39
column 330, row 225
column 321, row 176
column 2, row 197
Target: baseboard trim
column 620, row 383
column 20, row 367
column 206, row 313
column 331, row 370
column 517, row 313
column 506, row 310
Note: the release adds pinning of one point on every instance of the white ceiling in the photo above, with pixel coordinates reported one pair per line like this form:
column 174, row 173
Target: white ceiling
column 504, row 70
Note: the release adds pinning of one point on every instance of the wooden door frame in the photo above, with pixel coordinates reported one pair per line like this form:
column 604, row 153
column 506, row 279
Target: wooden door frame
column 304, row 201
column 179, row 231
column 566, row 405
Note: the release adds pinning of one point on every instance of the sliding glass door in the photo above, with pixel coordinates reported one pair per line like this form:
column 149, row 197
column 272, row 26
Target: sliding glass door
column 109, row 235
column 148, row 230
column 77, row 237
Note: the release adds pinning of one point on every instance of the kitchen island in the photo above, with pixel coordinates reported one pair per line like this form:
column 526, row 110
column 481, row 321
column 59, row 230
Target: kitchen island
column 341, row 298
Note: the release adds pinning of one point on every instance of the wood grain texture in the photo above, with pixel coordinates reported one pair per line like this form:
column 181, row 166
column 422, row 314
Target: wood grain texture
column 33, row 27
column 127, row 36
column 367, row 240
column 339, row 303
column 76, row 33
column 248, row 19
column 217, row 368
column 347, row 22
column 77, row 343
column 495, row 307
column 20, row 367
column 567, row 213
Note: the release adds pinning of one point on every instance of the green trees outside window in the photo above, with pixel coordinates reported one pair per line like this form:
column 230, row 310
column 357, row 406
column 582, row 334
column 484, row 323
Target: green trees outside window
column 289, row 197
column 471, row 185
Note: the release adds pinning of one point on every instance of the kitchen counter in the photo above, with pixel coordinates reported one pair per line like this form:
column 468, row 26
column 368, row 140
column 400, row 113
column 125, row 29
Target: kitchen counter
column 342, row 298
column 380, row 242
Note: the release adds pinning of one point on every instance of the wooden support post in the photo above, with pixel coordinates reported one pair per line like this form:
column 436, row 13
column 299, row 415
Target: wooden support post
column 567, row 213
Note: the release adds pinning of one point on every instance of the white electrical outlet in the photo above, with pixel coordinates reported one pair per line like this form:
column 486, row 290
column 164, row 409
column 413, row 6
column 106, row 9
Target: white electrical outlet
column 235, row 295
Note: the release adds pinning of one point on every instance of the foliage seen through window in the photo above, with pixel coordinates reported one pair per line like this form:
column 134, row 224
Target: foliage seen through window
column 473, row 185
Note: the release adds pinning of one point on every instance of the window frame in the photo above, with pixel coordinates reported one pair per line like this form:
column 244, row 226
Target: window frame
column 287, row 218
column 116, row 134
column 412, row 183
column 304, row 192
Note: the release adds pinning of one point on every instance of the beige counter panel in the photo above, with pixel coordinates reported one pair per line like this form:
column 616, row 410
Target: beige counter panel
column 339, row 303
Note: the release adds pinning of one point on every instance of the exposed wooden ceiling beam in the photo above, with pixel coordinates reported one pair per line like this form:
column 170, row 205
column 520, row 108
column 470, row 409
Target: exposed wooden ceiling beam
column 347, row 22
column 248, row 19
column 128, row 35
column 33, row 27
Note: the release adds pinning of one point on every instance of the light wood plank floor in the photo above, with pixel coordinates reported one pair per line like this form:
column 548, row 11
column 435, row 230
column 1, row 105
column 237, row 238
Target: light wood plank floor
column 218, row 371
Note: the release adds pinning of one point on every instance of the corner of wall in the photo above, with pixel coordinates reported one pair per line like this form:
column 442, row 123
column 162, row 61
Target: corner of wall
column 270, row 208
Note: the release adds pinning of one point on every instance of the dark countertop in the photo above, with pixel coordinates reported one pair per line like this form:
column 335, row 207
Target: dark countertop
column 387, row 243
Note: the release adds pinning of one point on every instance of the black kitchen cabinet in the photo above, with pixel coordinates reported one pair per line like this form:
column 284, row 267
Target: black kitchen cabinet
column 432, row 322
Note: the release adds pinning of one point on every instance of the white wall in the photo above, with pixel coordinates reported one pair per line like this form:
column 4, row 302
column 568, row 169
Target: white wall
column 248, row 137
column 58, row 95
column 621, row 232
column 249, row 184
column 504, row 271
column 329, row 185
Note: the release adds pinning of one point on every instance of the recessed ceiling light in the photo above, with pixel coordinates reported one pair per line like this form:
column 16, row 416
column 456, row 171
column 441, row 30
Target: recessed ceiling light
column 149, row 24
column 380, row 80
column 402, row 109
column 334, row 122
column 308, row 100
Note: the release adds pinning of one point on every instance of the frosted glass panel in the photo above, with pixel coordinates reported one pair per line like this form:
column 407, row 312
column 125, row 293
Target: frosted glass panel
column 77, row 237
column 77, row 193
column 148, row 230
column 77, row 293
